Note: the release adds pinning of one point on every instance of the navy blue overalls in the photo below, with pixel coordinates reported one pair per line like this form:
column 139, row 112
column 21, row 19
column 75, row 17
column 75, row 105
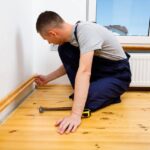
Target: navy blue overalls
column 109, row 79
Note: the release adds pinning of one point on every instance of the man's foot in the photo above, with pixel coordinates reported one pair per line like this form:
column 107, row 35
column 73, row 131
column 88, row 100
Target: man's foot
column 71, row 96
column 117, row 100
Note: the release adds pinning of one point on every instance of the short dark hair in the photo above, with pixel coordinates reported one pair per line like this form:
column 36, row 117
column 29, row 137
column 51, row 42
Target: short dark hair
column 48, row 18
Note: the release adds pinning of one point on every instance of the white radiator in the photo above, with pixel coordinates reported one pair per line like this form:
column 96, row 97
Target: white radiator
column 140, row 68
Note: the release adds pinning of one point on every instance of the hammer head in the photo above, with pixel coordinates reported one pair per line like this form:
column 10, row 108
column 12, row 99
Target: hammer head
column 41, row 110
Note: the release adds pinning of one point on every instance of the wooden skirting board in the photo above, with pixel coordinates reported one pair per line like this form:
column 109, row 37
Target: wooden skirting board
column 12, row 96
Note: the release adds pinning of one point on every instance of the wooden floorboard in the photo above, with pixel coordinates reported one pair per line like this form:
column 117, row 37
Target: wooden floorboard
column 123, row 126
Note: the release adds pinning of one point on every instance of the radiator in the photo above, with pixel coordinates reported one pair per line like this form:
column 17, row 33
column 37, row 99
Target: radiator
column 140, row 68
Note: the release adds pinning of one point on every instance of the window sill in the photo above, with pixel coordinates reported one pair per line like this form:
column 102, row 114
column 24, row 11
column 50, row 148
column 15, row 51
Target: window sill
column 135, row 42
column 136, row 47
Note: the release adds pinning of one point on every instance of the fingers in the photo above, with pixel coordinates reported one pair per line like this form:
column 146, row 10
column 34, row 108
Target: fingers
column 40, row 80
column 74, row 129
column 69, row 129
column 37, row 76
column 63, row 127
column 66, row 126
column 58, row 122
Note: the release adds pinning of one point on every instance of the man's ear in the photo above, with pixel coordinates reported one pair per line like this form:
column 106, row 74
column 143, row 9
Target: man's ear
column 51, row 33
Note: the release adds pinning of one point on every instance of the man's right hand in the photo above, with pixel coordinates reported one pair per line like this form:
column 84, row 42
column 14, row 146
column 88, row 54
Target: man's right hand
column 44, row 79
column 41, row 80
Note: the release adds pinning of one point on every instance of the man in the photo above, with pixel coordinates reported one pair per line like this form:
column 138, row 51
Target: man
column 94, row 61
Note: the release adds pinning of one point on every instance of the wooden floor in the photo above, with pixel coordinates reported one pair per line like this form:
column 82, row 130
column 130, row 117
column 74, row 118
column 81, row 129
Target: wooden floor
column 124, row 126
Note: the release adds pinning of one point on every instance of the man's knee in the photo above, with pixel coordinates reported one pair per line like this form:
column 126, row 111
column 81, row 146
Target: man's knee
column 104, row 92
column 96, row 104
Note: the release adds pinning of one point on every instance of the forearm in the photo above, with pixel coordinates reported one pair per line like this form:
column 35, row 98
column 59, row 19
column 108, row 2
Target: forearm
column 57, row 73
column 81, row 91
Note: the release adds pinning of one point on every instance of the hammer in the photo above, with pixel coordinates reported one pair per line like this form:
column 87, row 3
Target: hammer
column 86, row 112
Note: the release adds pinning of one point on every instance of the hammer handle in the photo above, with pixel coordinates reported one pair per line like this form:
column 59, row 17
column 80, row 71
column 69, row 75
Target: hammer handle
column 56, row 108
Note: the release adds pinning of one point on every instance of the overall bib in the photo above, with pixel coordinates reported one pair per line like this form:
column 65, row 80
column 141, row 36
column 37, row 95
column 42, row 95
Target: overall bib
column 109, row 79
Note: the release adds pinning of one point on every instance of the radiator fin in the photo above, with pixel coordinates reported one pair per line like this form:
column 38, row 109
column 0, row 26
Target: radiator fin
column 140, row 68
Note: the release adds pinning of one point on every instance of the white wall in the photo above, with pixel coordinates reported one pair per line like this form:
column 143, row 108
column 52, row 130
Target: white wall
column 46, row 60
column 15, row 44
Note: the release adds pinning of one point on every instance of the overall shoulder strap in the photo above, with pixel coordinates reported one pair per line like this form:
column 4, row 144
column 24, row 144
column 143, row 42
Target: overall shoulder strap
column 75, row 31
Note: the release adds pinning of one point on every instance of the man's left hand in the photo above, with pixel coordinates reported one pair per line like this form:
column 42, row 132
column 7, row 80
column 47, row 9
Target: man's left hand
column 68, row 124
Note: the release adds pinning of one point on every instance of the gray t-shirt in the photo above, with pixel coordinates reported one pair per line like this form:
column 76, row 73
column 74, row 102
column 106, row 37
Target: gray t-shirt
column 92, row 36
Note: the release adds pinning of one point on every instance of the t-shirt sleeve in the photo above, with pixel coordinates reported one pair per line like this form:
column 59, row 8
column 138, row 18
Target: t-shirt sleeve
column 88, row 38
